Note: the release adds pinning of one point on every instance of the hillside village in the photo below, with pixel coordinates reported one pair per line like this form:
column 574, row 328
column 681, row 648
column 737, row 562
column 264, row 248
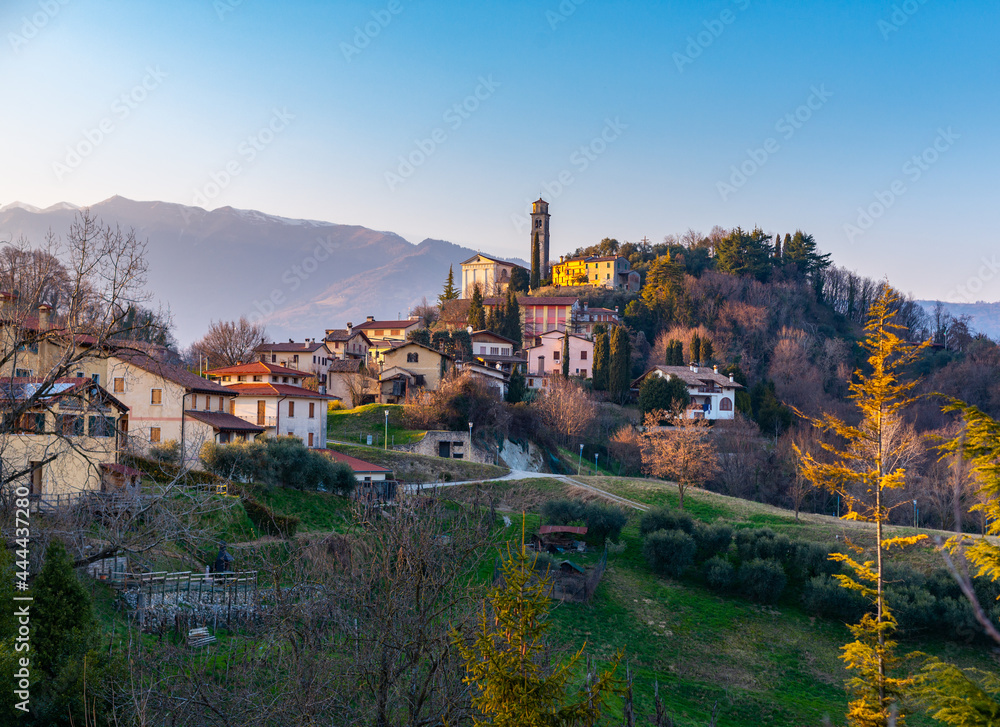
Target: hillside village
column 645, row 416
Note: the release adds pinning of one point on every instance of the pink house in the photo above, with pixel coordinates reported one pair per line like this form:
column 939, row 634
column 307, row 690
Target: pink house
column 545, row 357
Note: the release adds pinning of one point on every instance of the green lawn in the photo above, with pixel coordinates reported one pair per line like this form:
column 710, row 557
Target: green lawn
column 354, row 425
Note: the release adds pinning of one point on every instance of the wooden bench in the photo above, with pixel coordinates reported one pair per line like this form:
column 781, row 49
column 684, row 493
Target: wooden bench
column 199, row 637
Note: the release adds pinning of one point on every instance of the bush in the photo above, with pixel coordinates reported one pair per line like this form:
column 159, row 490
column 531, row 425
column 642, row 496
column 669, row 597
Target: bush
column 810, row 560
column 167, row 453
column 763, row 544
column 669, row 552
column 712, row 540
column 285, row 462
column 762, row 581
column 663, row 518
column 563, row 512
column 720, row 575
column 267, row 521
column 604, row 522
column 823, row 596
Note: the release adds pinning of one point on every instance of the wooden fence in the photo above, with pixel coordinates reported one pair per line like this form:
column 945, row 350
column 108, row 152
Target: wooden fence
column 203, row 588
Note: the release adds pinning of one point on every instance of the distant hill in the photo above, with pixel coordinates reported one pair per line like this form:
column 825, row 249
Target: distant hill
column 300, row 276
column 985, row 317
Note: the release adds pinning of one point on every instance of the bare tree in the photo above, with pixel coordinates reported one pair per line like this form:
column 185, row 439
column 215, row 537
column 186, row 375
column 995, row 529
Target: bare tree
column 427, row 313
column 361, row 383
column 229, row 343
column 682, row 453
column 566, row 407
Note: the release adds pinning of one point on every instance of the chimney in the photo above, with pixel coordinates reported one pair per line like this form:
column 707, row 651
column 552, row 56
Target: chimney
column 694, row 369
column 715, row 369
column 585, row 306
column 349, row 326
column 730, row 378
column 371, row 319
column 560, row 258
column 43, row 317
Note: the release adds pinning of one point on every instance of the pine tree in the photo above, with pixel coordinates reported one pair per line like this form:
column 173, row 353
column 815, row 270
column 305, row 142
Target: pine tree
column 706, row 351
column 536, row 264
column 565, row 354
column 477, row 315
column 678, row 353
column 515, row 387
column 745, row 253
column 619, row 368
column 494, row 319
column 861, row 474
column 601, row 361
column 505, row 659
column 519, row 280
column 777, row 248
column 450, row 292
column 695, row 348
column 512, row 319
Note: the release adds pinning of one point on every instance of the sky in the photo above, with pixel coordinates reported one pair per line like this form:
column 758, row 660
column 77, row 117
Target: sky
column 871, row 125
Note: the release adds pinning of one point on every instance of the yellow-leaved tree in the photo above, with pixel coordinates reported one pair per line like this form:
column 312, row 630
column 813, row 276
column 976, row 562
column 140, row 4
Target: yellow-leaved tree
column 870, row 461
column 505, row 661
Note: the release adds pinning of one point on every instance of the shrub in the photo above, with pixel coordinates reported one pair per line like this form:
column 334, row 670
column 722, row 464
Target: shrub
column 763, row 544
column 563, row 512
column 269, row 522
column 712, row 540
column 167, row 453
column 762, row 581
column 285, row 462
column 669, row 552
column 604, row 522
column 825, row 597
column 720, row 574
column 663, row 518
column 810, row 560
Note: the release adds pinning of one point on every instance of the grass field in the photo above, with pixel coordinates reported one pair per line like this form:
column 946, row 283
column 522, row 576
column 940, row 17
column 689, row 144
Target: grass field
column 354, row 425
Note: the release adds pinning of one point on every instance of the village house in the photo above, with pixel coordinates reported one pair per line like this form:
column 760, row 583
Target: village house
column 492, row 349
column 612, row 271
column 410, row 366
column 352, row 383
column 363, row 471
column 311, row 356
column 168, row 403
column 538, row 315
column 590, row 317
column 382, row 335
column 713, row 395
column 491, row 274
column 68, row 441
column 346, row 343
column 544, row 357
column 273, row 397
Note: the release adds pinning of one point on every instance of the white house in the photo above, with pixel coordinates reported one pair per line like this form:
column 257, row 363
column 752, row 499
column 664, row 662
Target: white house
column 544, row 357
column 311, row 356
column 274, row 397
column 713, row 395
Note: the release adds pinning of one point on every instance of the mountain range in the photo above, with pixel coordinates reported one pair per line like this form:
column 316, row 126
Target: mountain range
column 983, row 317
column 298, row 276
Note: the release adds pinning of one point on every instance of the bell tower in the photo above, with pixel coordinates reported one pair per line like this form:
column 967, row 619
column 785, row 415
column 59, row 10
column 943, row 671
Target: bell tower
column 540, row 224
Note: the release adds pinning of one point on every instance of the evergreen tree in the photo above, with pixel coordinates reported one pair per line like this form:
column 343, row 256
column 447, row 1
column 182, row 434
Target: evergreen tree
column 620, row 366
column 512, row 319
column 777, row 248
column 601, row 361
column 421, row 335
column 515, row 387
column 565, row 354
column 505, row 658
column 695, row 348
column 678, row 353
column 663, row 287
column 536, row 264
column 450, row 292
column 745, row 253
column 519, row 280
column 659, row 393
column 494, row 319
column 801, row 250
column 862, row 474
column 477, row 315
column 706, row 351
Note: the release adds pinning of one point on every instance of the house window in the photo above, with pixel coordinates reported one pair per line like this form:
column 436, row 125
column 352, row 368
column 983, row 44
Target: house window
column 291, row 409
column 69, row 425
column 154, row 434
column 119, row 385
column 555, row 355
column 32, row 422
column 295, row 358
column 194, row 401
column 314, row 359
column 232, row 407
column 257, row 379
column 96, row 378
column 240, row 379
column 312, row 410
column 412, row 357
column 274, row 379
column 583, row 355
column 396, row 332
column 494, row 350
column 227, row 378
column 101, row 426
column 222, row 404
column 22, row 373
column 274, row 358
column 156, row 397
column 310, row 439
column 726, row 405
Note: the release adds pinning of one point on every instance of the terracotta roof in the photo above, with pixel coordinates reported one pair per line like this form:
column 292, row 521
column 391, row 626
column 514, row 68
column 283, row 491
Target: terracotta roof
column 492, row 259
column 344, row 334
column 290, row 347
column 389, row 324
column 177, row 374
column 403, row 344
column 346, row 366
column 223, row 421
column 276, row 390
column 259, row 367
column 357, row 465
column 492, row 335
column 599, row 311
column 17, row 388
column 530, row 301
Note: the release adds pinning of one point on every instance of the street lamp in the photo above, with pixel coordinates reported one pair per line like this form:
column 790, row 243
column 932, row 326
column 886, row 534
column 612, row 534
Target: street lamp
column 470, row 441
column 914, row 513
column 596, row 455
column 386, row 443
column 579, row 461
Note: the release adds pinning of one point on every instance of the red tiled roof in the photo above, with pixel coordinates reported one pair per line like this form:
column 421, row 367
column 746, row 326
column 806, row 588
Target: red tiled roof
column 259, row 367
column 224, row 422
column 490, row 334
column 357, row 465
column 344, row 334
column 351, row 365
column 276, row 390
column 177, row 374
column 14, row 388
column 530, row 301
column 290, row 347
column 388, row 324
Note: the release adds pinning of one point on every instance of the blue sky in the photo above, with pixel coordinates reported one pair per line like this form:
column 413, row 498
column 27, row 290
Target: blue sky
column 444, row 119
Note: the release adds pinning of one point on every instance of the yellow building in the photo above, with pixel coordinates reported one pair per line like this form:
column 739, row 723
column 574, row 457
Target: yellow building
column 607, row 271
